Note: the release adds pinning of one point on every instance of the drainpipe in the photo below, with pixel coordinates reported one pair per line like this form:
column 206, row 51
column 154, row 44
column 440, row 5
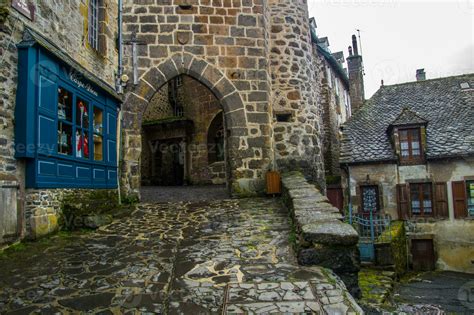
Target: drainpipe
column 119, row 86
column 119, row 152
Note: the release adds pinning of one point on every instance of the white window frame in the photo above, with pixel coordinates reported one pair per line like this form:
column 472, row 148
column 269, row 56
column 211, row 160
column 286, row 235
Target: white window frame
column 94, row 24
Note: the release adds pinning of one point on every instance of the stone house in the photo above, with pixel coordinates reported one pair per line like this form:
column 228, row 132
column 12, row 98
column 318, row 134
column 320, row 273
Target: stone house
column 409, row 152
column 58, row 109
column 335, row 102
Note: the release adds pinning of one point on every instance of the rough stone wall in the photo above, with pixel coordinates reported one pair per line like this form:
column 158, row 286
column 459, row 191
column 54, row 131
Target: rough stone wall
column 213, row 41
column 294, row 76
column 334, row 105
column 159, row 106
column 356, row 78
column 44, row 208
column 64, row 23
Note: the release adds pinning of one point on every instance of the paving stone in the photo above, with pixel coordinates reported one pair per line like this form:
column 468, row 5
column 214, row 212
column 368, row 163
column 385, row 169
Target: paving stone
column 183, row 257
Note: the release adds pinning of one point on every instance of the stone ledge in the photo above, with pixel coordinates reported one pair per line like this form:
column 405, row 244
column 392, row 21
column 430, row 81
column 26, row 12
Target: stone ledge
column 332, row 232
column 322, row 238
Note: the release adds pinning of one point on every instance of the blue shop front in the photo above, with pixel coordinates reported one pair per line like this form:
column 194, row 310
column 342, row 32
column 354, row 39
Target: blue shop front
column 65, row 120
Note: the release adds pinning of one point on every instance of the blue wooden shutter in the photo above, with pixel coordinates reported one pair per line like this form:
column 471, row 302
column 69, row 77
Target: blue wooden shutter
column 111, row 133
column 47, row 110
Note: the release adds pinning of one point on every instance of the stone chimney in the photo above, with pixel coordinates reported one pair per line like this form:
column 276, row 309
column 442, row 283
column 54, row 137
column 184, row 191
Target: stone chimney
column 356, row 76
column 420, row 75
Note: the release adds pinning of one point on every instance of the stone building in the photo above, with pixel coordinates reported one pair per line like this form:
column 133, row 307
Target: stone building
column 220, row 92
column 58, row 61
column 409, row 152
column 255, row 57
column 335, row 102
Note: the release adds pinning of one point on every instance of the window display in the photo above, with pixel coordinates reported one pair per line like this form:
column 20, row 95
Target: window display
column 66, row 126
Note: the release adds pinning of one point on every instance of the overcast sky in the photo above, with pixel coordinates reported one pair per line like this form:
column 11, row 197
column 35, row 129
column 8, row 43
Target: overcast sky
column 399, row 37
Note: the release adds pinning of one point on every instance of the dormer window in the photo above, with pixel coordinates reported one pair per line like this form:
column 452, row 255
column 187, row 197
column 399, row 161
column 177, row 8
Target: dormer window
column 410, row 145
column 408, row 134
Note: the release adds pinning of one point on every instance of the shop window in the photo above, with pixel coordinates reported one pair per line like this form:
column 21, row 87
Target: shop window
column 98, row 136
column 66, row 125
column 421, row 199
column 410, row 146
column 64, row 122
column 82, row 134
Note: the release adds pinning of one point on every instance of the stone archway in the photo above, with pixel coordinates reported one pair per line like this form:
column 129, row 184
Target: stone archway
column 137, row 101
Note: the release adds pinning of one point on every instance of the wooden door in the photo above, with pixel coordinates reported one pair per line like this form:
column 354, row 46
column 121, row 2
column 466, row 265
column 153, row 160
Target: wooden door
column 335, row 197
column 423, row 255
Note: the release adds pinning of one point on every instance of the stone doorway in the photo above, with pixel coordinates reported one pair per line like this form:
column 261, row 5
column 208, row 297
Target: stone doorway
column 183, row 136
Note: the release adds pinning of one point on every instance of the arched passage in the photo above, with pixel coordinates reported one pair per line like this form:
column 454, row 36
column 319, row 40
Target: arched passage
column 153, row 80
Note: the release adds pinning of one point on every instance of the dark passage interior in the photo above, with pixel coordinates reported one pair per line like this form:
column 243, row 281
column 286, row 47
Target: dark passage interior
column 183, row 138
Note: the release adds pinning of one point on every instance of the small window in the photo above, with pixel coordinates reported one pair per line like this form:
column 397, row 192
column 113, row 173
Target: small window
column 421, row 199
column 410, row 145
column 93, row 24
column 370, row 199
column 470, row 198
column 179, row 81
column 283, row 117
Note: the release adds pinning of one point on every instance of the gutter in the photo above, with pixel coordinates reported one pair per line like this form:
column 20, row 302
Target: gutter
column 119, row 86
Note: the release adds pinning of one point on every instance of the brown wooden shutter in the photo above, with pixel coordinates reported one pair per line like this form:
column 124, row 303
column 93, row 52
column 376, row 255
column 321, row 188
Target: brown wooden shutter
column 459, row 199
column 403, row 202
column 441, row 200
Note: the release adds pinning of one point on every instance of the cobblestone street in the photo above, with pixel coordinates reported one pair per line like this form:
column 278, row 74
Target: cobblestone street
column 208, row 257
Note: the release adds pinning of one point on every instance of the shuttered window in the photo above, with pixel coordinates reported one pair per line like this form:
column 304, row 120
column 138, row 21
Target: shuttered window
column 403, row 202
column 441, row 200
column 421, row 200
column 459, row 199
column 470, row 198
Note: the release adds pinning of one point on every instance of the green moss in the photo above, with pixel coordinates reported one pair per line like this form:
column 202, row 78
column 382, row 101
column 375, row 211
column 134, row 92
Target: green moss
column 333, row 180
column 4, row 11
column 369, row 280
column 328, row 276
column 79, row 204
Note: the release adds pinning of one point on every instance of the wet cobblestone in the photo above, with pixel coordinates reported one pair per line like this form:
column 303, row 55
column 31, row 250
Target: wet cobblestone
column 205, row 257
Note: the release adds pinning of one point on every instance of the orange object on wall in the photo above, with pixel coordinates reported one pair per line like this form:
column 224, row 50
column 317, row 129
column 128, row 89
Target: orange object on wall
column 273, row 183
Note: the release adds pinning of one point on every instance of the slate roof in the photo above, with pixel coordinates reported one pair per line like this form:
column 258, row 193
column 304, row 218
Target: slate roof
column 447, row 108
column 408, row 117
